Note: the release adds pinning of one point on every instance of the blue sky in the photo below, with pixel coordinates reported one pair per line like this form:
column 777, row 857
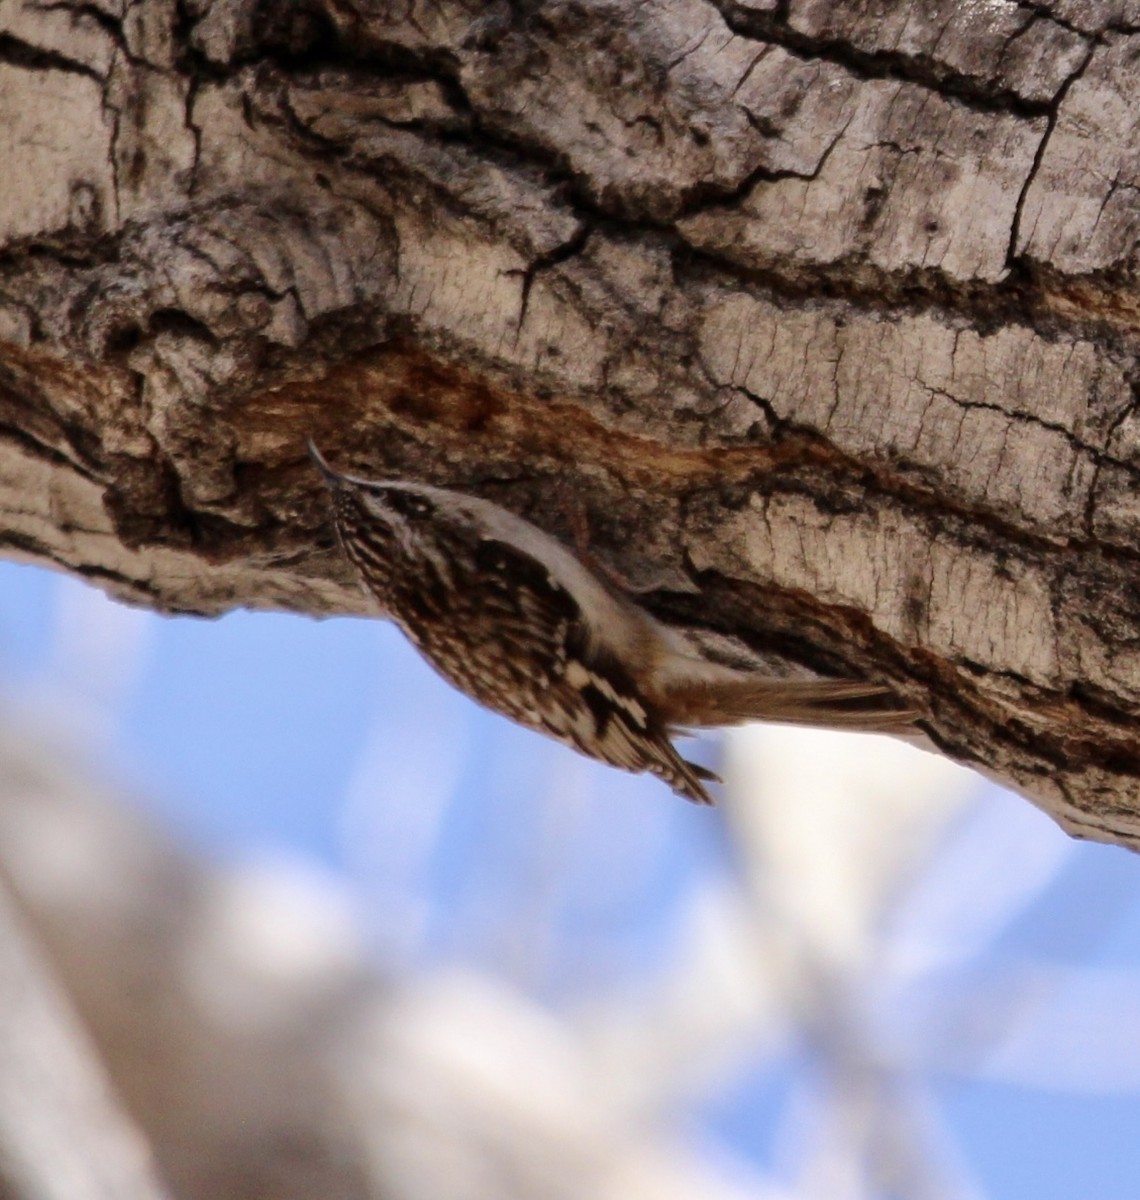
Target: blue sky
column 331, row 742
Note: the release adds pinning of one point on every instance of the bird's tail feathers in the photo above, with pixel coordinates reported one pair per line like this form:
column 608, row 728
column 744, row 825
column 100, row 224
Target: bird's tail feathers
column 736, row 698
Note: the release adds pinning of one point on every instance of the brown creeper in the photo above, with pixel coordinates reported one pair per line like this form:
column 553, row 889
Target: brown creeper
column 510, row 617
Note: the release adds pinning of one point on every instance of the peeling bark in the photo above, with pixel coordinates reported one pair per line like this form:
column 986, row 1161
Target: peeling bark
column 826, row 313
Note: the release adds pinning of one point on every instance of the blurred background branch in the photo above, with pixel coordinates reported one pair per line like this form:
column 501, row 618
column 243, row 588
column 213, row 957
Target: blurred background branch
column 63, row 1134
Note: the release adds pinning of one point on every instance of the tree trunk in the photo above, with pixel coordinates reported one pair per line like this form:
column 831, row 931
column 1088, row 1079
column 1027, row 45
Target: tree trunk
column 824, row 312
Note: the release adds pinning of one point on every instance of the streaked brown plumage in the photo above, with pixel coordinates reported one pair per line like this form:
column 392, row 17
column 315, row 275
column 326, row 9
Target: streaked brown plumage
column 513, row 619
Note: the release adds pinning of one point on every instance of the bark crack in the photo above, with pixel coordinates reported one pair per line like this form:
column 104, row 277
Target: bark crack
column 543, row 262
column 1052, row 116
column 105, row 20
column 1046, row 13
column 1098, row 454
column 805, row 447
column 972, row 91
column 705, row 197
column 18, row 53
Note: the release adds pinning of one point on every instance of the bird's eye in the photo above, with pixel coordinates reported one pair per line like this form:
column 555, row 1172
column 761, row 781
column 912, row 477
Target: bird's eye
column 412, row 505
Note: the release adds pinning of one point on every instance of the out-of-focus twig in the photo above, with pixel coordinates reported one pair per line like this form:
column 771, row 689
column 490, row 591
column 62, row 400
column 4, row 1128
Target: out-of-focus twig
column 63, row 1134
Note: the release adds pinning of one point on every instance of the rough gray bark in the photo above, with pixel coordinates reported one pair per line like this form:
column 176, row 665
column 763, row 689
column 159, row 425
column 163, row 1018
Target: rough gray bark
column 825, row 312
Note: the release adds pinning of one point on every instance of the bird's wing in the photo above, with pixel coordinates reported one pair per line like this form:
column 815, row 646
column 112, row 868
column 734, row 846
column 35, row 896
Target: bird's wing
column 586, row 698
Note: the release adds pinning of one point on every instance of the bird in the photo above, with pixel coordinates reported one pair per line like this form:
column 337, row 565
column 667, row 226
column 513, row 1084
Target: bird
column 512, row 618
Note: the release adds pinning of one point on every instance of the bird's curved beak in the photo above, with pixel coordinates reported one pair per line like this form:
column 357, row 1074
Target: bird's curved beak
column 330, row 476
